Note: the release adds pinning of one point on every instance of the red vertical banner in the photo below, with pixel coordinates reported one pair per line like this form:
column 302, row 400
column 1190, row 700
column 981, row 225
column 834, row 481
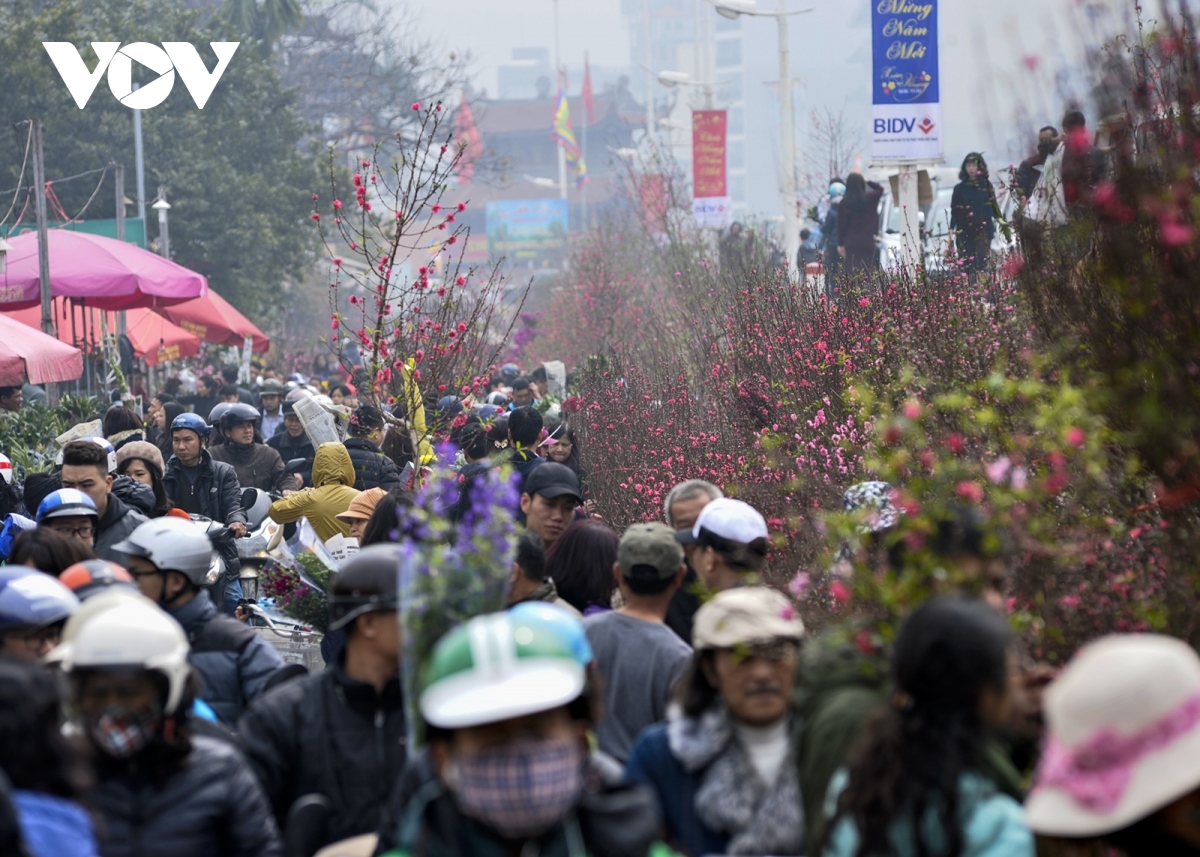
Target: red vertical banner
column 708, row 154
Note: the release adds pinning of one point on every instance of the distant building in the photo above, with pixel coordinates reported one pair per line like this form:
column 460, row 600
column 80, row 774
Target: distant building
column 522, row 165
column 528, row 75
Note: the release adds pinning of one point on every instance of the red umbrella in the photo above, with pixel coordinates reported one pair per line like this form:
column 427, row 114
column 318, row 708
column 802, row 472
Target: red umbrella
column 104, row 272
column 213, row 319
column 154, row 338
column 28, row 353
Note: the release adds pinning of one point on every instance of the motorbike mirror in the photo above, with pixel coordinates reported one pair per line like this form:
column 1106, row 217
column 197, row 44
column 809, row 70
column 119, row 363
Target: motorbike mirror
column 249, row 498
column 295, row 465
column 307, row 825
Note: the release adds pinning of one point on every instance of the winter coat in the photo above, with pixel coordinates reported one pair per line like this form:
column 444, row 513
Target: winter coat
column 290, row 447
column 52, row 826
column 993, row 824
column 1028, row 174
column 256, row 464
column 972, row 211
column 211, row 806
column 613, row 819
column 328, row 734
column 115, row 525
column 857, row 228
column 234, row 661
column 712, row 800
column 829, row 239
column 372, row 469
column 838, row 688
column 219, row 496
column 139, row 495
column 333, row 478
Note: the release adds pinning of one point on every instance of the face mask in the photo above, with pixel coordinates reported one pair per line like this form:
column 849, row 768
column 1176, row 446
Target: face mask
column 520, row 790
column 121, row 732
column 1047, row 148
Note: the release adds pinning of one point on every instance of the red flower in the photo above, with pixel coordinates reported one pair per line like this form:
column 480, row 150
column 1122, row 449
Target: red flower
column 1075, row 436
column 969, row 491
column 840, row 592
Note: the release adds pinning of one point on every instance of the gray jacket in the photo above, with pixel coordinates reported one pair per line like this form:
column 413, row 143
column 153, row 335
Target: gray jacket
column 115, row 525
column 233, row 660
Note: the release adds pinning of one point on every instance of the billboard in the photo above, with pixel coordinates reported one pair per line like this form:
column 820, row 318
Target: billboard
column 906, row 121
column 528, row 230
column 710, row 193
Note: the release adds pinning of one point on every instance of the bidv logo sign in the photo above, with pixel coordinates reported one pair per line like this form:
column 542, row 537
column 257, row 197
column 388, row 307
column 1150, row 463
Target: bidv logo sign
column 172, row 57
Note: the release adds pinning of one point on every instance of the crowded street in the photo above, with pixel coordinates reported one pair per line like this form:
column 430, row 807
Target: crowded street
column 676, row 428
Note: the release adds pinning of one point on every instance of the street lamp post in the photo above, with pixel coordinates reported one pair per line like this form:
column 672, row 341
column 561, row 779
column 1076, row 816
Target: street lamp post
column 164, row 237
column 787, row 130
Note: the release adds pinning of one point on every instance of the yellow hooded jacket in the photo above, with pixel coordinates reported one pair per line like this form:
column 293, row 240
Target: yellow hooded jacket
column 333, row 478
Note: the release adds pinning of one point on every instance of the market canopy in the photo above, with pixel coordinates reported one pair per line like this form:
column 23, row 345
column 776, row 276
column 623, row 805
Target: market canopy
column 214, row 319
column 26, row 352
column 104, row 272
column 154, row 338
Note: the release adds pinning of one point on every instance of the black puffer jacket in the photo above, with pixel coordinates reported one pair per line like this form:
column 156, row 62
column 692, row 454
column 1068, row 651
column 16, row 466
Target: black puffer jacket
column 331, row 735
column 213, row 806
column 257, row 465
column 372, row 469
column 114, row 526
column 219, row 497
column 233, row 661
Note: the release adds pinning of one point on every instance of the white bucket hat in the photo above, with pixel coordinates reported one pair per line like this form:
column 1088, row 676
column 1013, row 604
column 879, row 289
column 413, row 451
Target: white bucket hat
column 1122, row 736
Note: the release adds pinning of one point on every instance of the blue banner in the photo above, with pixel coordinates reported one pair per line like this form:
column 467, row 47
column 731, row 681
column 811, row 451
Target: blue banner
column 906, row 121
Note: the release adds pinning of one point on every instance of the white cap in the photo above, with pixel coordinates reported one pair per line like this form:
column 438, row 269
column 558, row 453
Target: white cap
column 729, row 519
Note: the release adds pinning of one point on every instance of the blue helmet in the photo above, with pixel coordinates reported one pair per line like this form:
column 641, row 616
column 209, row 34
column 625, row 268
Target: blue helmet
column 30, row 599
column 563, row 624
column 65, row 503
column 191, row 422
column 510, row 372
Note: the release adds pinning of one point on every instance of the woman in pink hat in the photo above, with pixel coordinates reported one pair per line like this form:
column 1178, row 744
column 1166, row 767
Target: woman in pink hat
column 1121, row 762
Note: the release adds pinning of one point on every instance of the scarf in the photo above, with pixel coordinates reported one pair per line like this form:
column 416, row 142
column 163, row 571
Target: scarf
column 732, row 799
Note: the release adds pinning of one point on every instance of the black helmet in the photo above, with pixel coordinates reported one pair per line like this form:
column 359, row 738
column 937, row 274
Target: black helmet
column 238, row 413
column 366, row 583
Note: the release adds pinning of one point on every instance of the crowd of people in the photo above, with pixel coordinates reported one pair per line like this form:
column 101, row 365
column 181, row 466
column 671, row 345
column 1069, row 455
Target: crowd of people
column 646, row 692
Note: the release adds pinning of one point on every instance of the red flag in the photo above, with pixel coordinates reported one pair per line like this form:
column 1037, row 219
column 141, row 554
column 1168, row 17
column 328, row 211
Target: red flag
column 466, row 134
column 589, row 103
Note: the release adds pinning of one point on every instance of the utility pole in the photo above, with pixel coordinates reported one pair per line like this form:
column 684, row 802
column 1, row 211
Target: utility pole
column 649, row 74
column 787, row 141
column 39, row 195
column 164, row 237
column 119, row 181
column 559, row 79
column 139, row 163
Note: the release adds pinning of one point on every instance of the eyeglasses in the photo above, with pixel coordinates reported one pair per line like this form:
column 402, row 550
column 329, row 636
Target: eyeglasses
column 76, row 532
column 42, row 640
column 775, row 651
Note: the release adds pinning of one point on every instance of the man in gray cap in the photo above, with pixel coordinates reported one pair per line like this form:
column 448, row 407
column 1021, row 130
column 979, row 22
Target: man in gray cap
column 637, row 655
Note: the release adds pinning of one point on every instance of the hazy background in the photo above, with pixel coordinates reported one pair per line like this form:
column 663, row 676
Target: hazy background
column 1007, row 67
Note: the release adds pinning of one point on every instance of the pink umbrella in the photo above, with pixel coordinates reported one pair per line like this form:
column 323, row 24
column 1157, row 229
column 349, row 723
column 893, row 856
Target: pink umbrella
column 153, row 337
column 25, row 352
column 103, row 272
column 214, row 319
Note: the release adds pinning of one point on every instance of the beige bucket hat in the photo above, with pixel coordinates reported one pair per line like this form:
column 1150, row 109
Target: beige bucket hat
column 1122, row 736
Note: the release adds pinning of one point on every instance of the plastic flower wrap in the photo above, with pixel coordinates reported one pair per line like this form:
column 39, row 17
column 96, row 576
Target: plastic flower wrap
column 451, row 570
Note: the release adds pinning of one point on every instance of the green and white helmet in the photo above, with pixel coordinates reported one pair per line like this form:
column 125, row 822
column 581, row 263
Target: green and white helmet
column 497, row 667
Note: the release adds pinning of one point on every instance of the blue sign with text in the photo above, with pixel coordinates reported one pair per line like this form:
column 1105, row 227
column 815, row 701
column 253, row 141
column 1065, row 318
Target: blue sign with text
column 906, row 120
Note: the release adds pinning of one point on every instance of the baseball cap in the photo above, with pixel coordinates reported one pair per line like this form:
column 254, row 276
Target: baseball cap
column 728, row 519
column 552, row 480
column 650, row 550
column 743, row 616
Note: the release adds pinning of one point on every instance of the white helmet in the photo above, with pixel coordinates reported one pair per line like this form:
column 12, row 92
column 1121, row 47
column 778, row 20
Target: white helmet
column 6, row 469
column 171, row 544
column 128, row 631
column 101, row 442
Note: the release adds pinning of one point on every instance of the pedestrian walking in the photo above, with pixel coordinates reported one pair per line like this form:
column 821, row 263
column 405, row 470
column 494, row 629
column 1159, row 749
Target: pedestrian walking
column 973, row 213
column 858, row 225
column 919, row 782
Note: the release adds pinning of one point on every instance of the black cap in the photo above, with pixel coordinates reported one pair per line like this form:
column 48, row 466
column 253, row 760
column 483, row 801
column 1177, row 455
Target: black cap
column 366, row 583
column 552, row 480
